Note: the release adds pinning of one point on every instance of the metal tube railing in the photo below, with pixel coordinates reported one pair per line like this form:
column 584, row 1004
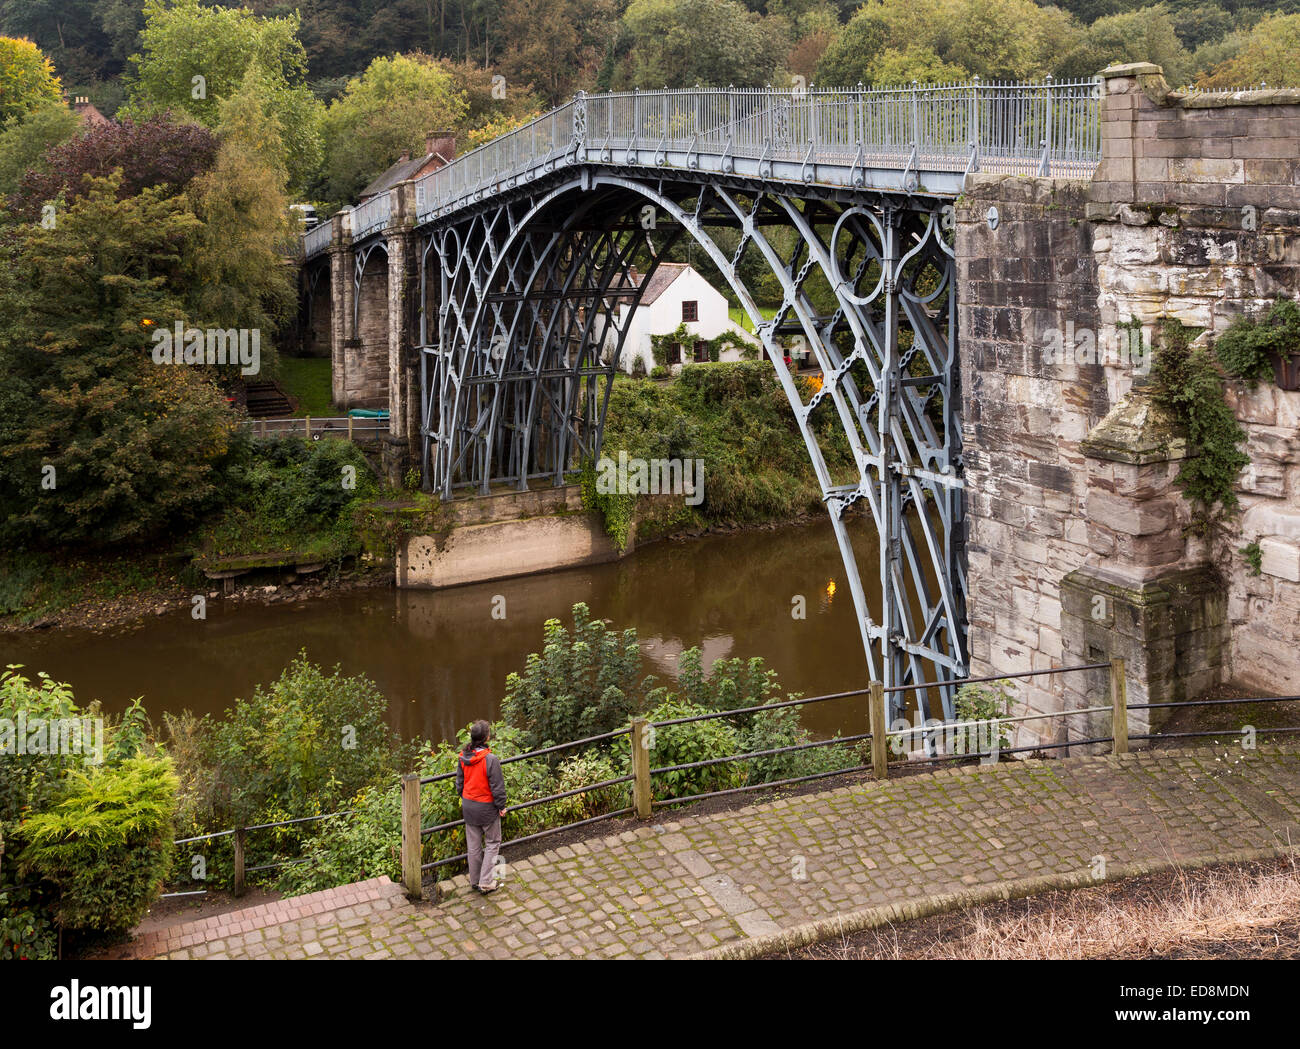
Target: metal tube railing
column 641, row 776
column 1004, row 128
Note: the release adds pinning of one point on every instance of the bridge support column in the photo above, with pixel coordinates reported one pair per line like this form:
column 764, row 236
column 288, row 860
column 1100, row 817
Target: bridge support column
column 1151, row 598
column 401, row 444
column 342, row 308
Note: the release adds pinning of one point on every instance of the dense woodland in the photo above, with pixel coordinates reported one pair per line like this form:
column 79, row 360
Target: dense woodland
column 555, row 47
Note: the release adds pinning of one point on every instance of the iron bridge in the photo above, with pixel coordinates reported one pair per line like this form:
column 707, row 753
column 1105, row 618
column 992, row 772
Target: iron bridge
column 839, row 202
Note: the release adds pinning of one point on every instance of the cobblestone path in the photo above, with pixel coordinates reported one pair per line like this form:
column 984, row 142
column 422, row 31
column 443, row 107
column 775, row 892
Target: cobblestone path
column 680, row 885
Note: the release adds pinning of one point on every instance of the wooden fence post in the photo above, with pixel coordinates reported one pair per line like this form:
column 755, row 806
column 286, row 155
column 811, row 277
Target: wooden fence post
column 1119, row 707
column 306, row 422
column 879, row 741
column 412, row 840
column 239, row 861
column 640, row 740
column 349, row 426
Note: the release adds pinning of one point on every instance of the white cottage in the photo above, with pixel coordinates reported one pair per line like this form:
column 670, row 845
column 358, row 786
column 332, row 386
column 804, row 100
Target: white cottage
column 676, row 294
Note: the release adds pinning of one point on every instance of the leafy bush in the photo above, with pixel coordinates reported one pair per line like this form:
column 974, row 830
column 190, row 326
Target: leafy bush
column 736, row 417
column 291, row 495
column 985, row 703
column 769, row 730
column 1189, row 388
column 306, row 744
column 30, row 782
column 730, row 684
column 26, row 931
column 583, row 683
column 1246, row 349
column 362, row 845
column 103, row 845
column 616, row 509
column 683, row 744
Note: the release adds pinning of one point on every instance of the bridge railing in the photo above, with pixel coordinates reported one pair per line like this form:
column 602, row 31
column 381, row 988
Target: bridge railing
column 346, row 427
column 372, row 215
column 935, row 736
column 1051, row 127
column 316, row 240
column 538, row 143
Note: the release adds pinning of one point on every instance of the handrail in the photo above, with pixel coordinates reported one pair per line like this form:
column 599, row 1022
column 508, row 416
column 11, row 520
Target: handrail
column 414, row 834
column 1000, row 127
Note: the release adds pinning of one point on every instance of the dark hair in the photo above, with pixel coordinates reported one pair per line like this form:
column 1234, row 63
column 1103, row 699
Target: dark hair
column 479, row 732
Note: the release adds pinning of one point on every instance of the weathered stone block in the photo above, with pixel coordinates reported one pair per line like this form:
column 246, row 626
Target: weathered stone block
column 1280, row 558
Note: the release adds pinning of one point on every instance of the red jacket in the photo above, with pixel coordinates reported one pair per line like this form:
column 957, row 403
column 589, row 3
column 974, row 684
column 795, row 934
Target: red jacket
column 480, row 778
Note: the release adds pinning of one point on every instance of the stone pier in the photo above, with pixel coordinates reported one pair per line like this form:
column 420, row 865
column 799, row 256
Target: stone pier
column 1079, row 542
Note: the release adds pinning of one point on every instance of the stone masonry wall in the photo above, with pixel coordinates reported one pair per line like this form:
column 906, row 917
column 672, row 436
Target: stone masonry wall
column 1194, row 214
column 1026, row 276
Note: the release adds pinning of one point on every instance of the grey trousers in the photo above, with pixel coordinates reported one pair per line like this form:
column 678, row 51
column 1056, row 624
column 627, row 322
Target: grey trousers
column 484, row 843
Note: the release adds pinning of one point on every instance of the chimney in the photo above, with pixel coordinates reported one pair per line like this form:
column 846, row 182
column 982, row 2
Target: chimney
column 442, row 143
column 406, row 155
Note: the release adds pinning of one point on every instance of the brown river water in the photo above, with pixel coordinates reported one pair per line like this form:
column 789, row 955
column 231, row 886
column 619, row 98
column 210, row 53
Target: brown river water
column 442, row 659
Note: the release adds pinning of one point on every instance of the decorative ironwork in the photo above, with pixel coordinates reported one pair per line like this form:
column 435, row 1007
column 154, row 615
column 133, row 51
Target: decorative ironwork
column 532, row 259
column 533, row 298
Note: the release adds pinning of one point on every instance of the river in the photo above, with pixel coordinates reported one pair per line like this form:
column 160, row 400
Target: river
column 441, row 658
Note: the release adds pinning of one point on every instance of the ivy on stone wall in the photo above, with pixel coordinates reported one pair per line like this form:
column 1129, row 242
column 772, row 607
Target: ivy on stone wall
column 1247, row 349
column 1188, row 386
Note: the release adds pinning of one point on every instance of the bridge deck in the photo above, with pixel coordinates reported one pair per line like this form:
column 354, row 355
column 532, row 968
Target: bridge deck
column 893, row 140
column 686, row 884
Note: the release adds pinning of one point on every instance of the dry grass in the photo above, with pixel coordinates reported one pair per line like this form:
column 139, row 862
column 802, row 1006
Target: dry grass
column 1249, row 911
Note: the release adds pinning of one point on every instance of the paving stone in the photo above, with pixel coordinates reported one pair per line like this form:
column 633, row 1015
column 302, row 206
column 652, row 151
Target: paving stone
column 674, row 888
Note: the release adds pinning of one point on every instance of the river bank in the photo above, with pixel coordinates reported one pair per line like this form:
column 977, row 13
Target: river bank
column 98, row 595
column 106, row 596
column 441, row 657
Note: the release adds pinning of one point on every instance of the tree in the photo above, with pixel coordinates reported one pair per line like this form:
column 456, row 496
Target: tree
column 717, row 43
column 192, row 58
column 158, row 151
column 27, row 79
column 847, row 61
column 1145, row 35
column 239, row 277
column 556, row 46
column 23, row 144
column 390, row 108
column 920, row 64
column 992, row 39
column 97, row 442
column 1269, row 55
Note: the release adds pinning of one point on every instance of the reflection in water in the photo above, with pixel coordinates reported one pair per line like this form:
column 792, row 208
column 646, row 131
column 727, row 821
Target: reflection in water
column 442, row 659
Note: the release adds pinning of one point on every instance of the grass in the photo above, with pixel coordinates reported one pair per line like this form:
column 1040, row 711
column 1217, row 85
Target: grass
column 1236, row 911
column 741, row 318
column 34, row 586
column 310, row 380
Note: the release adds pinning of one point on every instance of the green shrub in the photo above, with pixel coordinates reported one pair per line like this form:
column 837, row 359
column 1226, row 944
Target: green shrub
column 290, row 495
column 769, row 730
column 682, row 744
column 583, row 683
column 730, row 684
column 617, row 509
column 301, row 746
column 26, row 931
column 1245, row 350
column 1189, row 388
column 364, row 844
column 985, row 703
column 104, row 844
column 1254, row 557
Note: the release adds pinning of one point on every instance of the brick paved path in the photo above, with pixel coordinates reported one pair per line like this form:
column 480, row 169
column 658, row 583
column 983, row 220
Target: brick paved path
column 677, row 886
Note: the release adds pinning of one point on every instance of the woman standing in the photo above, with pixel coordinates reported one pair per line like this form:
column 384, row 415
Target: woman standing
column 482, row 790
